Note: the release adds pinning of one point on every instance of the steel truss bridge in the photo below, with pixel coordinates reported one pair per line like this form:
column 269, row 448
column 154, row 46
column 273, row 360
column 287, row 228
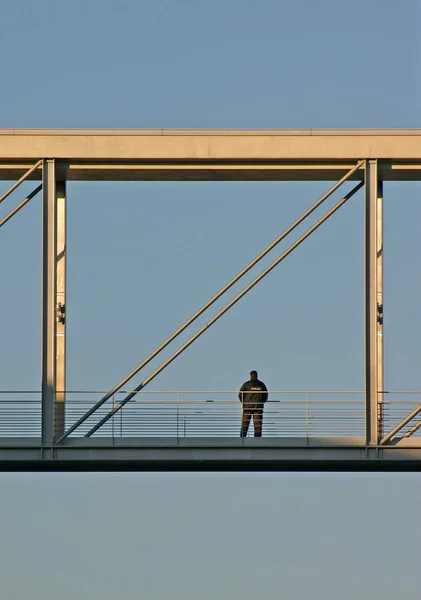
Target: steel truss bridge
column 135, row 429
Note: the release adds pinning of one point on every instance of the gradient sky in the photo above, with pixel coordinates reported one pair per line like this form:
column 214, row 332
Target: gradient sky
column 143, row 256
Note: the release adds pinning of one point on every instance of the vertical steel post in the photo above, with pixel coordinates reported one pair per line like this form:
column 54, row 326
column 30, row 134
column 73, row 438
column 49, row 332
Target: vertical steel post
column 49, row 255
column 373, row 237
column 178, row 412
column 380, row 378
column 60, row 399
column 113, row 420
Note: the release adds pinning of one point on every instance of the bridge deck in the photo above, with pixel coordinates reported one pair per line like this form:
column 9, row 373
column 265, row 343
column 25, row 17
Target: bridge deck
column 218, row 454
column 302, row 430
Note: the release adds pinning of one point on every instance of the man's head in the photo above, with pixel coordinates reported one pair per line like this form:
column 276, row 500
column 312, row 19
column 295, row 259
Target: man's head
column 253, row 375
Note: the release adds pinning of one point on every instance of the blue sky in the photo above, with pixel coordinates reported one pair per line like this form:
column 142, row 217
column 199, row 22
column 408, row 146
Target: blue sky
column 143, row 256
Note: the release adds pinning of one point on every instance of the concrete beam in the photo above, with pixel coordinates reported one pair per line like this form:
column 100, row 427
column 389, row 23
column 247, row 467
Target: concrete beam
column 211, row 144
column 218, row 154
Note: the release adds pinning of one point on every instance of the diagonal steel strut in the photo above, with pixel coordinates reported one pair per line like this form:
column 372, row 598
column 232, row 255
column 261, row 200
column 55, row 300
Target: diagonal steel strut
column 211, row 301
column 402, row 424
column 413, row 429
column 19, row 181
column 243, row 292
column 21, row 205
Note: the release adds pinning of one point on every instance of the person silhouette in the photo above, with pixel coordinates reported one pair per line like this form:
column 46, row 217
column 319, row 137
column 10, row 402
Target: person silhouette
column 253, row 394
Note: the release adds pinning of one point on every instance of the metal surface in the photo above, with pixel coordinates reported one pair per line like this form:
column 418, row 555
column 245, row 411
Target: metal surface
column 53, row 304
column 372, row 239
column 21, row 205
column 214, row 413
column 187, row 414
column 401, row 425
column 49, row 254
column 222, row 311
column 60, row 397
column 412, row 430
column 210, row 302
column 380, row 317
column 22, row 178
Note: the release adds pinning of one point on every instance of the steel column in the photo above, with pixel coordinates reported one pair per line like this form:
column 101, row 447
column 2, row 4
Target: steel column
column 379, row 253
column 60, row 397
column 49, row 254
column 373, row 293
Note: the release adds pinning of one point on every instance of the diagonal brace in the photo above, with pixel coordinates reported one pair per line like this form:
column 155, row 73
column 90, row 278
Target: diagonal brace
column 402, row 424
column 413, row 429
column 19, row 181
column 21, row 205
column 243, row 292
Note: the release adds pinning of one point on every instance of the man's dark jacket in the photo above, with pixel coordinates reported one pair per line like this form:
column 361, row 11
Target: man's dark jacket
column 253, row 392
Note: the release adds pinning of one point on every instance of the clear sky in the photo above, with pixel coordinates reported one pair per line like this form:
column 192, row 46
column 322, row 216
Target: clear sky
column 143, row 256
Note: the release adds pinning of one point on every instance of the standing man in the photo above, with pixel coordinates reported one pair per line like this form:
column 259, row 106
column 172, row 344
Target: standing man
column 253, row 395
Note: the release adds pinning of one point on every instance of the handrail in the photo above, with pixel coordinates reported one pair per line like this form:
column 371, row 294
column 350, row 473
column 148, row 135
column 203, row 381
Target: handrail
column 198, row 413
column 274, row 391
column 232, row 391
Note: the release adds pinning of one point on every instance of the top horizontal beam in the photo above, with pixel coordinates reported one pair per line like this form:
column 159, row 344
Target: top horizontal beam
column 202, row 132
column 211, row 154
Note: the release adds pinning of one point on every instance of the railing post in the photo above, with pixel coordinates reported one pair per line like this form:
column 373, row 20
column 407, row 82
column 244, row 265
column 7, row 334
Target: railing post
column 185, row 418
column 241, row 421
column 178, row 415
column 306, row 414
column 112, row 424
column 312, row 417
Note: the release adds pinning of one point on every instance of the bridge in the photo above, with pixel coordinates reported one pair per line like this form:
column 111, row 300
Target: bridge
column 135, row 429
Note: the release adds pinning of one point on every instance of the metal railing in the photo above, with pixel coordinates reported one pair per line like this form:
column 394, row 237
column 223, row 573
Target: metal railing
column 20, row 414
column 397, row 406
column 184, row 414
